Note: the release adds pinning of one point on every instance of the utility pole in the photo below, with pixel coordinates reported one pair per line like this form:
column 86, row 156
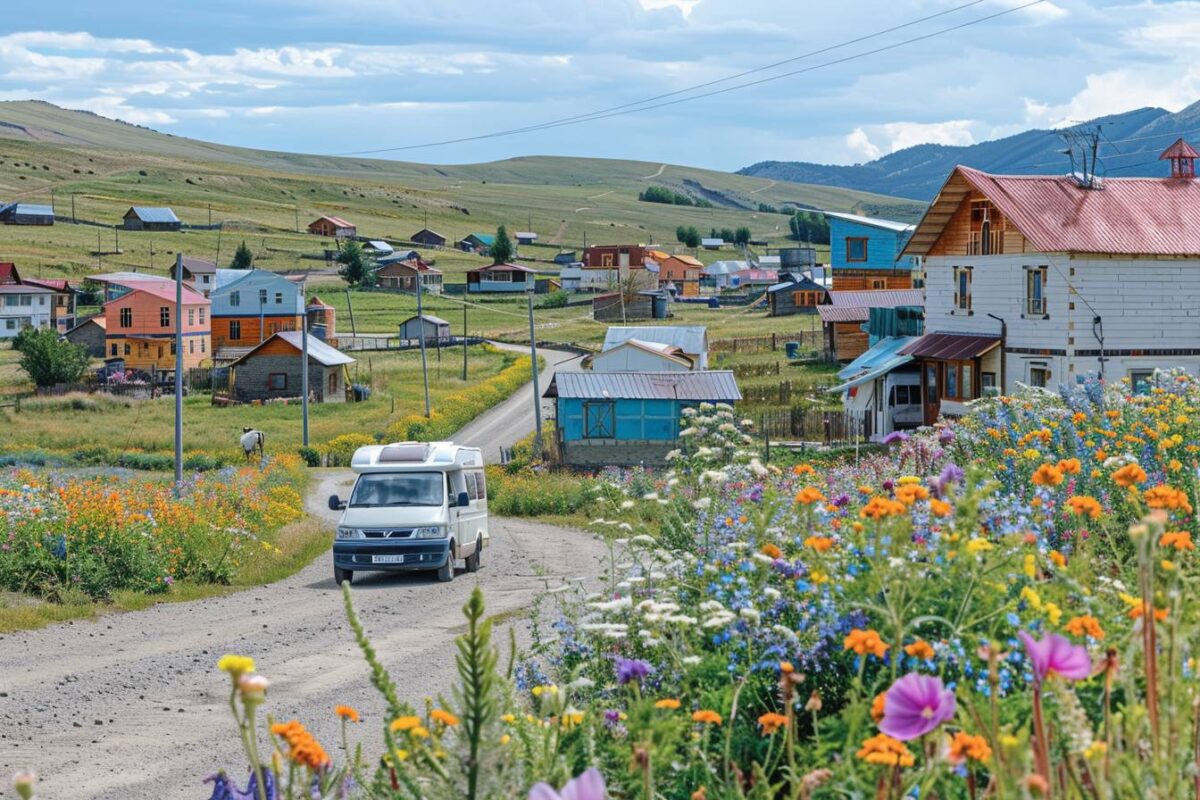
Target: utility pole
column 304, row 366
column 178, row 372
column 464, row 341
column 427, row 219
column 220, row 230
column 72, row 209
column 296, row 211
column 210, row 215
column 421, row 334
column 350, row 305
column 262, row 322
column 117, row 238
column 537, row 394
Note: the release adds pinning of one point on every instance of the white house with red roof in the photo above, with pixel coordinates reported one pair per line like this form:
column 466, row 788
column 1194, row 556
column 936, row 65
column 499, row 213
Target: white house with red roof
column 1044, row 280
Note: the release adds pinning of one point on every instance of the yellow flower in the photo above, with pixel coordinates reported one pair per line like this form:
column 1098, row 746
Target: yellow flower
column 1030, row 567
column 1032, row 598
column 236, row 666
column 405, row 723
column 508, row 718
column 1009, row 741
column 978, row 545
column 444, row 717
column 549, row 688
column 1054, row 613
column 668, row 703
column 1095, row 750
column 505, row 739
column 401, row 755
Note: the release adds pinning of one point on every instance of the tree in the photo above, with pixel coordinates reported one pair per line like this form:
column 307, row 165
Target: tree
column 691, row 236
column 502, row 247
column 49, row 359
column 681, row 234
column 741, row 236
column 242, row 257
column 726, row 234
column 354, row 265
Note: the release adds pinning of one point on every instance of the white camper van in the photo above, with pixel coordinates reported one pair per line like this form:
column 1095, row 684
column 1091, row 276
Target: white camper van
column 414, row 506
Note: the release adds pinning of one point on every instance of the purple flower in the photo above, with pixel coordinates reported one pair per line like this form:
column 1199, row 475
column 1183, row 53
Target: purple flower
column 945, row 436
column 895, row 436
column 1055, row 655
column 951, row 474
column 225, row 789
column 915, row 705
column 632, row 669
column 588, row 786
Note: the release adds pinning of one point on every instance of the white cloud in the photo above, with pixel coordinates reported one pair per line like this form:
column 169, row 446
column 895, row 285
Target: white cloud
column 685, row 6
column 859, row 143
column 80, row 41
column 873, row 141
column 1171, row 87
column 115, row 107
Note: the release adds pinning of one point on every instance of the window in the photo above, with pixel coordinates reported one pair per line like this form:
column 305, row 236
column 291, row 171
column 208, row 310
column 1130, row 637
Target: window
column 951, row 381
column 10, row 324
column 988, row 379
column 1039, row 375
column 113, row 350
column 1035, row 291
column 962, row 288
column 262, row 297
column 128, row 349
column 126, row 317
column 958, row 382
column 191, row 316
column 606, row 260
column 203, row 344
column 1142, row 380
column 333, row 383
column 904, row 395
column 235, row 329
column 856, row 248
column 164, row 316
column 804, row 298
column 878, row 283
column 472, row 489
column 191, row 345
column 279, row 298
column 11, row 300
column 931, row 385
column 26, row 300
column 277, row 381
column 599, row 420
column 202, row 315
column 987, row 229
column 481, row 483
column 235, row 298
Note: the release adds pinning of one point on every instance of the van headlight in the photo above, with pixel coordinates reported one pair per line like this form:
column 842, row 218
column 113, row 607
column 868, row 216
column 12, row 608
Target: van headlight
column 349, row 533
column 432, row 532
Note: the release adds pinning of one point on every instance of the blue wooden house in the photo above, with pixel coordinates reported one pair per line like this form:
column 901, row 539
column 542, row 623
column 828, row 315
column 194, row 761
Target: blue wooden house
column 864, row 252
column 502, row 278
column 629, row 418
column 250, row 306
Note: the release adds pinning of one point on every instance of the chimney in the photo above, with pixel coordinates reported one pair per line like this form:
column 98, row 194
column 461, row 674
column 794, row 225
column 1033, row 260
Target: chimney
column 1183, row 159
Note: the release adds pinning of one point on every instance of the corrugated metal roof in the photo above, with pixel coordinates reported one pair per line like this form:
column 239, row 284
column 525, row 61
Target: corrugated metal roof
column 843, row 313
column 154, row 214
column 57, row 284
column 525, row 235
column 338, row 222
column 880, row 351
column 878, row 298
column 23, row 288
column 1127, row 216
column 725, row 268
column 318, row 351
column 502, row 268
column 198, row 266
column 427, row 318
column 875, row 222
column 165, row 290
column 486, row 238
column 951, row 346
column 1180, row 149
column 716, row 386
column 691, row 339
column 380, row 245
column 29, row 209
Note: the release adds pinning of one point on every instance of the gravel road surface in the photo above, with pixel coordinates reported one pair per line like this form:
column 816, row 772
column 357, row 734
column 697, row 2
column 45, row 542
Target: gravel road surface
column 130, row 707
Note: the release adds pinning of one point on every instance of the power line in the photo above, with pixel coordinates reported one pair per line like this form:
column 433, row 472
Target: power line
column 649, row 104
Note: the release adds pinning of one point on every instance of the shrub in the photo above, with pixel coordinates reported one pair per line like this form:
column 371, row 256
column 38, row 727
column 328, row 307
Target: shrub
column 49, row 360
column 530, row 494
column 311, row 456
column 338, row 451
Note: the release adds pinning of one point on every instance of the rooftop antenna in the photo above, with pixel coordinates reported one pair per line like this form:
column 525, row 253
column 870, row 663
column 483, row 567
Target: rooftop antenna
column 1083, row 148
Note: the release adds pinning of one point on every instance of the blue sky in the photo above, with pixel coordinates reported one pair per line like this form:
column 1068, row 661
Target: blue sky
column 355, row 75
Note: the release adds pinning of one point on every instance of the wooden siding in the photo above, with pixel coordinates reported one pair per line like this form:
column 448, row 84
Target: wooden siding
column 883, row 246
column 250, row 333
column 855, row 279
column 849, row 340
column 955, row 238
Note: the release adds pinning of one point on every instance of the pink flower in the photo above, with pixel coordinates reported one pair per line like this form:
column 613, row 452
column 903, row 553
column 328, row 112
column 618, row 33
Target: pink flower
column 915, row 705
column 1055, row 655
column 588, row 786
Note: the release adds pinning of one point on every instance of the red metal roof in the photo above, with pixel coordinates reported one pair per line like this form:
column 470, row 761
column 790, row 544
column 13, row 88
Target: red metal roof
column 844, row 313
column 1127, row 216
column 8, row 273
column 877, row 298
column 337, row 221
column 165, row 291
column 1180, row 149
column 57, row 285
column 951, row 346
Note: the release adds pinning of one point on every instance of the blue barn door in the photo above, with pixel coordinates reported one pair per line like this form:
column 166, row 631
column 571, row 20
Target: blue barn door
column 600, row 420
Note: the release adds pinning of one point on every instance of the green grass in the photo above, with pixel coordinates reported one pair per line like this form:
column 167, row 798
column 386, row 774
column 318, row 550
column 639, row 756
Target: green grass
column 261, row 196
column 149, row 424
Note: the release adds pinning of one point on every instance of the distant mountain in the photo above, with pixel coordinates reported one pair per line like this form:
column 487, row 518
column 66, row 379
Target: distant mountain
column 1130, row 147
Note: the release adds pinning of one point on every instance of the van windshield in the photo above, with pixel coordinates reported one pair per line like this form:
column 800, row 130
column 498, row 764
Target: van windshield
column 398, row 489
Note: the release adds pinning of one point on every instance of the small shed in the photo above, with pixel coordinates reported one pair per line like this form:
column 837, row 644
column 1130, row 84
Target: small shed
column 712, row 244
column 480, row 243
column 629, row 418
column 26, row 214
column 502, row 278
column 89, row 334
column 378, row 247
column 622, row 307
column 334, row 227
column 321, row 318
column 796, row 294
column 272, row 371
column 565, row 257
column 436, row 329
column 525, row 237
column 638, row 356
column 402, row 275
column 151, row 218
column 692, row 340
column 428, row 238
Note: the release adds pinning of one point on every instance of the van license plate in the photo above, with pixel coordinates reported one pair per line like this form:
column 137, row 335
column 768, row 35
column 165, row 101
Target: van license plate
column 387, row 559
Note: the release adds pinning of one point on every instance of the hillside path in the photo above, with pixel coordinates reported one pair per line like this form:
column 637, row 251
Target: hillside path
column 130, row 706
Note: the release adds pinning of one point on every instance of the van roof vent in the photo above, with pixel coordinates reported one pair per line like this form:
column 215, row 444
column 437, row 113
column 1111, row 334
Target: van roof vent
column 403, row 453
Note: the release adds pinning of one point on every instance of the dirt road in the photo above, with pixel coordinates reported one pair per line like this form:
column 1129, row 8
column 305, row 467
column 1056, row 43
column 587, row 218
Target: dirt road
column 130, row 707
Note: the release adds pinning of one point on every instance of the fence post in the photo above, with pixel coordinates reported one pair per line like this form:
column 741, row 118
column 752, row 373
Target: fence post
column 773, row 347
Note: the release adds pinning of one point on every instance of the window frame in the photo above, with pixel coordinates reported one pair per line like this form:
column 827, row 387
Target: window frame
column 962, row 375
column 1036, row 275
column 1134, row 379
column 235, row 330
column 1042, row 368
column 125, row 317
column 963, row 300
column 271, row 376
column 865, row 242
column 164, row 316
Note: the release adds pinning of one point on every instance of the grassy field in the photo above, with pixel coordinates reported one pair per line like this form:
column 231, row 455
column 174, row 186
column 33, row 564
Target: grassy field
column 96, row 168
column 63, row 423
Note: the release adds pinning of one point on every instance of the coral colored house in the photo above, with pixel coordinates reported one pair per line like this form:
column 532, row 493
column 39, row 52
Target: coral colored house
column 140, row 327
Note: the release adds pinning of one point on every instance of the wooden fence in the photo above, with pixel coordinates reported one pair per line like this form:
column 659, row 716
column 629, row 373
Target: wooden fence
column 809, row 340
column 815, row 425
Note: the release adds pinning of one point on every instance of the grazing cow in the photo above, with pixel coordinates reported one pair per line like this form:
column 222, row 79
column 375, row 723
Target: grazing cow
column 252, row 440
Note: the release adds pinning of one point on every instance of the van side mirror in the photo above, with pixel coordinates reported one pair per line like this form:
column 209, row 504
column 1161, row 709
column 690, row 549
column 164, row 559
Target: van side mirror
column 335, row 503
column 462, row 500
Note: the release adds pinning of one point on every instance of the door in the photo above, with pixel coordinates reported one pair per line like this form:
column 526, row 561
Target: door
column 460, row 515
column 929, row 383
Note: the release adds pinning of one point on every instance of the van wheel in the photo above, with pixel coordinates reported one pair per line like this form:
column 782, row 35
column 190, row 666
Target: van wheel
column 341, row 576
column 473, row 560
column 445, row 573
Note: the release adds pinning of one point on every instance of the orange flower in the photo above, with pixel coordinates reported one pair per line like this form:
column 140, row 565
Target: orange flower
column 910, row 493
column 1058, row 558
column 303, row 749
column 668, row 703
column 885, row 751
column 347, row 713
column 1071, row 466
column 1139, row 611
column 444, row 717
column 819, row 543
column 1047, row 475
column 1129, row 475
column 771, row 550
column 1085, row 625
column 771, row 722
column 809, row 495
column 1082, row 505
column 1167, row 498
column 880, row 507
column 865, row 642
column 1180, row 540
column 920, row 649
column 786, row 667
column 940, row 508
column 706, row 717
column 964, row 746
column 803, row 469
column 877, row 706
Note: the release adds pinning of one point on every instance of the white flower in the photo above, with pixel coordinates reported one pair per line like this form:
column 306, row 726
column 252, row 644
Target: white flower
column 614, row 634
column 711, row 605
column 673, row 481
column 772, row 592
column 642, row 538
column 758, row 469
column 763, row 557
column 747, row 423
column 688, row 412
column 650, row 496
column 686, row 432
column 680, row 619
column 627, row 504
column 582, row 683
column 751, row 614
column 613, row 605
column 625, row 526
column 737, row 545
column 727, row 427
column 702, row 504
column 690, row 661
